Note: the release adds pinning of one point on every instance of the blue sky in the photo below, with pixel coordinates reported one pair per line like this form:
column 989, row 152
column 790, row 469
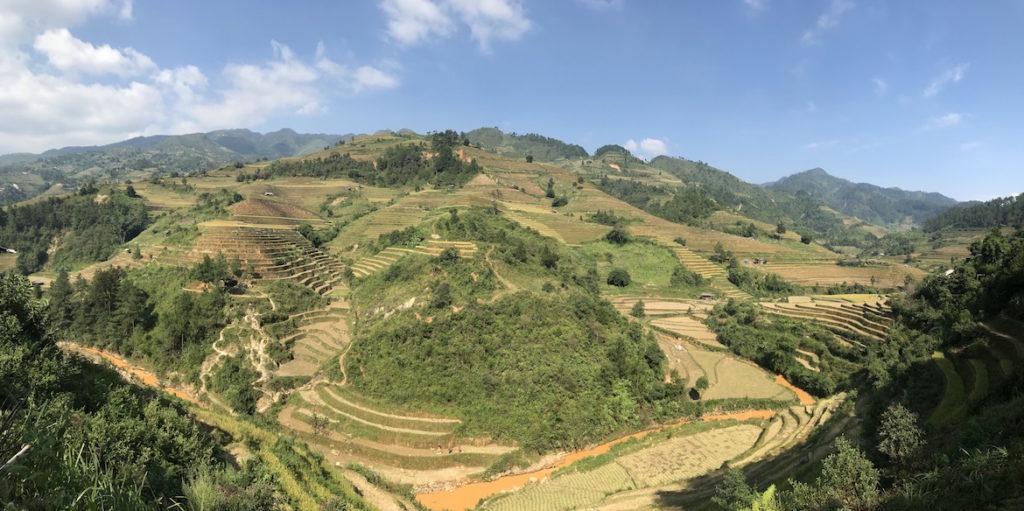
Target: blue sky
column 920, row 95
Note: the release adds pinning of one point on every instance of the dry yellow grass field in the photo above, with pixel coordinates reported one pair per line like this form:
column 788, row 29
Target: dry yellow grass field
column 827, row 274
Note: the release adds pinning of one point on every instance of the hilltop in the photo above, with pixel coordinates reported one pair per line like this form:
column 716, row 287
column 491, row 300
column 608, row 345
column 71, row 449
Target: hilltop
column 890, row 207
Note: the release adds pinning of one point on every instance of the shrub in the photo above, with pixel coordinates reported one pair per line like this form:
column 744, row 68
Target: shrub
column 638, row 309
column 681, row 277
column 617, row 236
column 619, row 277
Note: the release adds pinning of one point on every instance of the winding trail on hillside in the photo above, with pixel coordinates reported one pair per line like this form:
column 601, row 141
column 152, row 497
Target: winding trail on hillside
column 999, row 331
column 509, row 286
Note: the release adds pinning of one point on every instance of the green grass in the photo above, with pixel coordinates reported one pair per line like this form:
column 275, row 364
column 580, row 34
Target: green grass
column 954, row 398
column 979, row 389
column 649, row 265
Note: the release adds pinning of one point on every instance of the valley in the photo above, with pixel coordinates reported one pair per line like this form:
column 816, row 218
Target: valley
column 474, row 346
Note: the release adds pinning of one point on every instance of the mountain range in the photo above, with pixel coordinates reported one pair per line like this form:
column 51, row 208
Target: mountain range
column 33, row 174
column 891, row 207
column 23, row 175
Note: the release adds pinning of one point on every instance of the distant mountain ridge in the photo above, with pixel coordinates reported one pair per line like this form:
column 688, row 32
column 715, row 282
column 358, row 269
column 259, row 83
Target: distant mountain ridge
column 33, row 174
column 884, row 206
column 276, row 144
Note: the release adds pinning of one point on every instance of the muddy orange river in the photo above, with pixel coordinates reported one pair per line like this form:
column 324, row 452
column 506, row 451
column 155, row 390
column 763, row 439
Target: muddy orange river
column 147, row 378
column 467, row 496
column 801, row 394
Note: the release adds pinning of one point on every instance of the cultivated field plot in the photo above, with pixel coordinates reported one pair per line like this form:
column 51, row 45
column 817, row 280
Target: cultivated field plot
column 351, row 428
column 272, row 211
column 683, row 457
column 812, row 274
column 321, row 336
column 273, row 253
column 370, row 265
column 974, row 371
column 163, row 198
column 679, row 358
column 732, row 377
column 676, row 459
column 864, row 319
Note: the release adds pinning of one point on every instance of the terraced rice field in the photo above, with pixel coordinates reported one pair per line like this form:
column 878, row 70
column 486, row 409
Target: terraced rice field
column 679, row 358
column 273, row 253
column 321, row 336
column 954, row 399
column 358, row 430
column 971, row 373
column 678, row 458
column 370, row 265
column 634, row 480
column 864, row 319
column 709, row 270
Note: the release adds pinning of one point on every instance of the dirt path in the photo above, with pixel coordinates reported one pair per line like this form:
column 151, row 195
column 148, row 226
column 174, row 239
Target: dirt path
column 509, row 286
column 375, row 496
column 1001, row 330
column 257, row 346
column 131, row 372
column 341, row 362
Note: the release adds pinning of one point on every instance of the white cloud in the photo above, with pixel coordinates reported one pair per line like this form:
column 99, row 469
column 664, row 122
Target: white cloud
column 647, row 148
column 602, row 5
column 881, row 86
column 58, row 90
column 756, row 5
column 952, row 75
column 813, row 146
column 944, row 121
column 367, row 77
column 827, row 21
column 412, row 22
column 70, row 54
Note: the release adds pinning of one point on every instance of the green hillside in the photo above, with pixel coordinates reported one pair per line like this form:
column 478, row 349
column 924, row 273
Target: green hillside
column 538, row 146
column 884, row 206
column 1000, row 212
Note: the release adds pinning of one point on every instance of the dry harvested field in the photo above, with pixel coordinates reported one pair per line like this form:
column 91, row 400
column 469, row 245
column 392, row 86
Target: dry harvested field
column 679, row 358
column 271, row 211
column 675, row 459
column 401, row 445
column 732, row 377
column 160, row 198
column 827, row 274
column 869, row 319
